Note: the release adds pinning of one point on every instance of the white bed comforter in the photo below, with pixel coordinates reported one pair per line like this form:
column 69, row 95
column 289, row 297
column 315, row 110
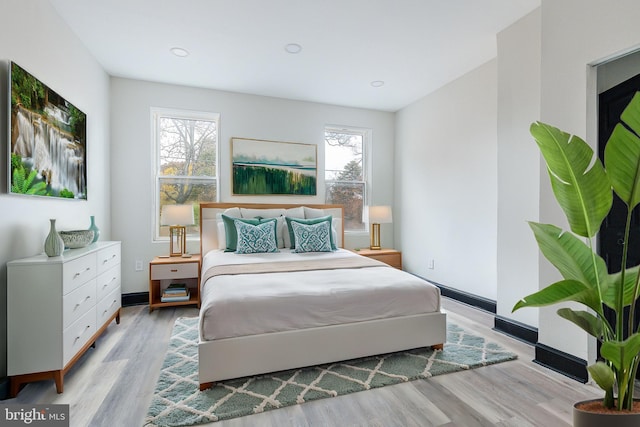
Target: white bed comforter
column 251, row 304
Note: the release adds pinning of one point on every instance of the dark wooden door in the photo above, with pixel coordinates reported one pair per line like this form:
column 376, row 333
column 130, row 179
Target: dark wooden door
column 611, row 104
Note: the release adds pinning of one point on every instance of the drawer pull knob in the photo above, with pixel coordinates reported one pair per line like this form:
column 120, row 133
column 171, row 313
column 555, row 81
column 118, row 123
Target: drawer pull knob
column 82, row 333
column 174, row 270
column 109, row 259
column 84, row 271
column 87, row 298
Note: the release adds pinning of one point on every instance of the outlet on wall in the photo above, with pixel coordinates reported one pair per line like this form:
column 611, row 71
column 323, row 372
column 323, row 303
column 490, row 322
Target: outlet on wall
column 138, row 265
column 432, row 264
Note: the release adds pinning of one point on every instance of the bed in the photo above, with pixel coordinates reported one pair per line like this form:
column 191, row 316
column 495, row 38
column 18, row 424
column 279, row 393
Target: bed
column 271, row 311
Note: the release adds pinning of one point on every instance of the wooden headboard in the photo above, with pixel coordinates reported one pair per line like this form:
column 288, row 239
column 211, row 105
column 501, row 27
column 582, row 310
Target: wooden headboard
column 209, row 219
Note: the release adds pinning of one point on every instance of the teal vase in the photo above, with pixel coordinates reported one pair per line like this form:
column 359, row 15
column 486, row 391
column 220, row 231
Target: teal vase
column 53, row 244
column 96, row 230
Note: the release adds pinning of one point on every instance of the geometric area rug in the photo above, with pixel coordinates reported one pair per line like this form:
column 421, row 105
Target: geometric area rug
column 178, row 401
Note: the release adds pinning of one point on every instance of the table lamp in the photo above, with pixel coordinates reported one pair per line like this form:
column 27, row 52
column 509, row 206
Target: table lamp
column 377, row 215
column 176, row 217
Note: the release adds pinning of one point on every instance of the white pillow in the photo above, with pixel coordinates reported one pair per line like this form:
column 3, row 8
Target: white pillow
column 264, row 213
column 233, row 212
column 222, row 237
column 313, row 212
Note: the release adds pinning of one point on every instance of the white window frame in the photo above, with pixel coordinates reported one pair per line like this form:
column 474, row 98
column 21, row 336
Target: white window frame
column 366, row 165
column 156, row 113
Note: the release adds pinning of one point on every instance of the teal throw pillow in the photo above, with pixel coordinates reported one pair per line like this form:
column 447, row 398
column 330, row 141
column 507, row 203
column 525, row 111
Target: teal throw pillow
column 328, row 219
column 254, row 239
column 231, row 233
column 312, row 237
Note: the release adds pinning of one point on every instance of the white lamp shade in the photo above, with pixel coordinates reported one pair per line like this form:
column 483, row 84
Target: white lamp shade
column 176, row 215
column 378, row 215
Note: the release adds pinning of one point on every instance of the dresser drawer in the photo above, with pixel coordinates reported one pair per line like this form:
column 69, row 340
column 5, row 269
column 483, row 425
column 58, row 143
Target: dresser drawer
column 108, row 281
column 174, row 271
column 77, row 272
column 78, row 302
column 78, row 334
column 107, row 306
column 108, row 258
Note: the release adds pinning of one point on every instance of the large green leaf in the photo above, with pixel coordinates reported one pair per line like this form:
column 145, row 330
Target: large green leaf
column 571, row 256
column 622, row 160
column 603, row 375
column 622, row 353
column 564, row 290
column 579, row 181
column 585, row 320
column 622, row 155
column 610, row 296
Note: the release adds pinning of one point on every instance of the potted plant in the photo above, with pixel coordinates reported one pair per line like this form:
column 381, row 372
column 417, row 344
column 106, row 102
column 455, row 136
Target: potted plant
column 583, row 187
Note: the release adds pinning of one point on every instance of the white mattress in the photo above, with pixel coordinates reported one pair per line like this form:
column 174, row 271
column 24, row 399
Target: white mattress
column 251, row 304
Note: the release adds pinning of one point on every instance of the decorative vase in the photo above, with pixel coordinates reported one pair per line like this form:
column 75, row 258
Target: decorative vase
column 96, row 230
column 582, row 417
column 53, row 244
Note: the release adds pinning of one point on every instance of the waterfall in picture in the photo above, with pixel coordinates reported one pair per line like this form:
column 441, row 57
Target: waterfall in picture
column 45, row 148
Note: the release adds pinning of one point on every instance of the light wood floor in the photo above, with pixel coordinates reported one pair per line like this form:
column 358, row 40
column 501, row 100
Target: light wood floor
column 112, row 385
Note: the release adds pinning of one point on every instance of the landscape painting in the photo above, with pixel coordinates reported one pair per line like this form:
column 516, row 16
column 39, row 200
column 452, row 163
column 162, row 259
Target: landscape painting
column 271, row 167
column 48, row 141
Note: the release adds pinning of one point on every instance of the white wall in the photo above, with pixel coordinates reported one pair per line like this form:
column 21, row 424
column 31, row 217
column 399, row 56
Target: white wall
column 575, row 33
column 518, row 165
column 241, row 115
column 33, row 36
column 446, row 183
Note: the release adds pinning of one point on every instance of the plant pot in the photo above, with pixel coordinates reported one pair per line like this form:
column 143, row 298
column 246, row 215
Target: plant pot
column 585, row 418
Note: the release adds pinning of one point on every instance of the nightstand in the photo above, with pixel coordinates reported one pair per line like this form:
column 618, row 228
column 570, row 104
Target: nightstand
column 164, row 271
column 388, row 256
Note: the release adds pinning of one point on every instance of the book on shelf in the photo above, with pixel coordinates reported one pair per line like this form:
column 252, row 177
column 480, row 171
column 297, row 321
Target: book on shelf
column 174, row 298
column 175, row 291
column 176, row 287
column 175, row 294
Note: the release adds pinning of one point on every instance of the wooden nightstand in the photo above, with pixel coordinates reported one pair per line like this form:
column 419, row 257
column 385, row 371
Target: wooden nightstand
column 388, row 256
column 164, row 271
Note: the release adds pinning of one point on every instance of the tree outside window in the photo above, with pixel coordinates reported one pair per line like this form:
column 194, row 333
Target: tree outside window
column 345, row 173
column 186, row 166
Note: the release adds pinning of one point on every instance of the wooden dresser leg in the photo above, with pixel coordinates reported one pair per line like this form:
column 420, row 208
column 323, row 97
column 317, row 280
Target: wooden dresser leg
column 437, row 347
column 58, row 377
column 204, row 386
column 14, row 387
column 118, row 317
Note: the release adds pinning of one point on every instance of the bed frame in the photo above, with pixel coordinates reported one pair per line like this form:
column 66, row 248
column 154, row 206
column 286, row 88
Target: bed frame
column 257, row 354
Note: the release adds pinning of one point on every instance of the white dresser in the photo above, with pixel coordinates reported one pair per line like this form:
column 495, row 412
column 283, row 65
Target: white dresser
column 56, row 309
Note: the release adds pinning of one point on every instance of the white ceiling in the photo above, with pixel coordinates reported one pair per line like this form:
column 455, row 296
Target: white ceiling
column 414, row 46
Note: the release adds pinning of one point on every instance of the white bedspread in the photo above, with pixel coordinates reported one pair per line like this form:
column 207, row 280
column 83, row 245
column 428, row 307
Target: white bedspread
column 250, row 304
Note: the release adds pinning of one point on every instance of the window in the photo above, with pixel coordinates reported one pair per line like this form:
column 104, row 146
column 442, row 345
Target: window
column 345, row 173
column 186, row 156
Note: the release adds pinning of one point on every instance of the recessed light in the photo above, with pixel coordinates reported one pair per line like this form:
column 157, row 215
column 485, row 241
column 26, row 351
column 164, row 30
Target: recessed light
column 377, row 83
column 178, row 51
column 293, row 48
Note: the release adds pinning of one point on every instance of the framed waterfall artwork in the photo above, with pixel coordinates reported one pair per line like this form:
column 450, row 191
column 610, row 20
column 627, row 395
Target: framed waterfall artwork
column 48, row 140
column 270, row 167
